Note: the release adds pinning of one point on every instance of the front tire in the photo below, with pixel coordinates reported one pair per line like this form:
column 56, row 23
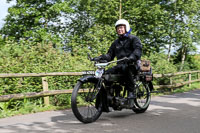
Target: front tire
column 84, row 102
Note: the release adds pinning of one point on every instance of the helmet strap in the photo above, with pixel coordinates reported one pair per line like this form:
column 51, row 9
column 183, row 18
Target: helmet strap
column 127, row 33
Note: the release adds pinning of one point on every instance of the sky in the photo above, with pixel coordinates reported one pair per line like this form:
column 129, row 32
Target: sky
column 4, row 11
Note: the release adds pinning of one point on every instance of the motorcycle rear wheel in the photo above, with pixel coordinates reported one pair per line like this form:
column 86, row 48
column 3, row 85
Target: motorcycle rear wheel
column 143, row 97
column 84, row 102
column 139, row 110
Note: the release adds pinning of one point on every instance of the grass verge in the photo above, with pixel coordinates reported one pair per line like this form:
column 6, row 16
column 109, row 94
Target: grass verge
column 30, row 109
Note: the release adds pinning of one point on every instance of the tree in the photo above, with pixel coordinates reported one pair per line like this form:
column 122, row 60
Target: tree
column 160, row 24
column 38, row 19
column 186, row 28
column 148, row 19
column 91, row 27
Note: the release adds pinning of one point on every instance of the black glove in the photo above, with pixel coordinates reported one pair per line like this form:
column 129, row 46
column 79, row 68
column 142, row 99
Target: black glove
column 131, row 58
column 126, row 59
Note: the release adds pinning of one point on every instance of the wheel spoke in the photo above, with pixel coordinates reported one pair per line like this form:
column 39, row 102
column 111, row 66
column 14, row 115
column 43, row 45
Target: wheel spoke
column 143, row 98
column 88, row 112
column 85, row 105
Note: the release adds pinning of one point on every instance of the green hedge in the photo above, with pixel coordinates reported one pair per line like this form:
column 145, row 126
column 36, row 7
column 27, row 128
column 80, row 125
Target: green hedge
column 29, row 57
column 38, row 58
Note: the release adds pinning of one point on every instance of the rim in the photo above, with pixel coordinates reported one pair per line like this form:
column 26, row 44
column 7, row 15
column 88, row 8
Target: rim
column 142, row 95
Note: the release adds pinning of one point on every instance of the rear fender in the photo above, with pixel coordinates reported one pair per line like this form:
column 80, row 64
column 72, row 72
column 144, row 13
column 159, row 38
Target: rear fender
column 150, row 84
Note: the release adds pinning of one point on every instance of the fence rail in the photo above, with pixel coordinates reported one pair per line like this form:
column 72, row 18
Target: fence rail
column 20, row 75
column 45, row 93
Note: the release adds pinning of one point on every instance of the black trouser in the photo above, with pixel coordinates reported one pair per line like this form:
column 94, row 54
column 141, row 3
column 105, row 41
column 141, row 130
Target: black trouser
column 127, row 71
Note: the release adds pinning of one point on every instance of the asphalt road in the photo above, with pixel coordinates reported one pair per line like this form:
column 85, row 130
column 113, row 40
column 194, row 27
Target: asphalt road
column 178, row 113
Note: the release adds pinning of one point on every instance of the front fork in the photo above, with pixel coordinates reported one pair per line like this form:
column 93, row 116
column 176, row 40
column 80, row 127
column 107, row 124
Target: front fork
column 102, row 97
column 95, row 92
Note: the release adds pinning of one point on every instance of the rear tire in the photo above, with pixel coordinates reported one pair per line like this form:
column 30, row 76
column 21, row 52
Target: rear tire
column 143, row 97
column 84, row 102
column 138, row 110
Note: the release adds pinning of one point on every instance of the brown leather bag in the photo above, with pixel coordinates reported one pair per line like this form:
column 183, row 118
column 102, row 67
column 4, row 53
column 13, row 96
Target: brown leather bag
column 145, row 66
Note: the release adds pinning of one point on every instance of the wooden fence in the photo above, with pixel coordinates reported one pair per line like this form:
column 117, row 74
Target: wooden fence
column 45, row 93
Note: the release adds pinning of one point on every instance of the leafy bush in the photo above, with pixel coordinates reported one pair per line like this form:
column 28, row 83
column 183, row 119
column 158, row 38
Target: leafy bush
column 37, row 58
column 160, row 65
column 194, row 62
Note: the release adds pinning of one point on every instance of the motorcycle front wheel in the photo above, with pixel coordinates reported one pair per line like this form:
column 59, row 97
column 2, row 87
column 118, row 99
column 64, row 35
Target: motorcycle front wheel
column 85, row 104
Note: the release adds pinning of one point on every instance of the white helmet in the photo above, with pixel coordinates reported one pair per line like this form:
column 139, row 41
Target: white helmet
column 123, row 22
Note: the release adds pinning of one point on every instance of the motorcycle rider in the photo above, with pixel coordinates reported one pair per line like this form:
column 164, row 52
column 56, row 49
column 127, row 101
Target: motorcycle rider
column 128, row 46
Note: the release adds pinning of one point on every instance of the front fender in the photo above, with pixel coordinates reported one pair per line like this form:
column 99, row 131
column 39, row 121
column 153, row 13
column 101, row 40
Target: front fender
column 101, row 97
column 88, row 78
column 150, row 84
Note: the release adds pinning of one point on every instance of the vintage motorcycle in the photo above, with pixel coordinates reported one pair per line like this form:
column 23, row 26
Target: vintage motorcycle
column 101, row 92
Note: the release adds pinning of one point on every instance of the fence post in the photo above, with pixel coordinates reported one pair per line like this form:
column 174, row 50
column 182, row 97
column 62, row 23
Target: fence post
column 190, row 78
column 171, row 82
column 45, row 88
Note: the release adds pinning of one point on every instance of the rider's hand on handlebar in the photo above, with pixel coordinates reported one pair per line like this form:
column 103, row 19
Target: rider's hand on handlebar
column 129, row 59
column 125, row 59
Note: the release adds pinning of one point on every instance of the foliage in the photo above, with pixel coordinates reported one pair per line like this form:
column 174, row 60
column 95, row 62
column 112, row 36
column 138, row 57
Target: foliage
column 194, row 61
column 187, row 88
column 37, row 20
column 21, row 58
column 97, row 41
column 157, row 23
column 160, row 65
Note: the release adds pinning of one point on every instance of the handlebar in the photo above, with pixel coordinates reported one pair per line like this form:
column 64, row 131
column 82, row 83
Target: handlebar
column 107, row 63
column 103, row 63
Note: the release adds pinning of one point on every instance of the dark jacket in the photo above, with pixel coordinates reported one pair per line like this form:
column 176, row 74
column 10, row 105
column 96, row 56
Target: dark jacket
column 126, row 46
